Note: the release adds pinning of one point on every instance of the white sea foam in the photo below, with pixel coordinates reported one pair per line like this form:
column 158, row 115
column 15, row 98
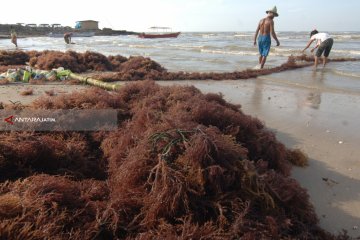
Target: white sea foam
column 346, row 52
column 243, row 35
column 242, row 53
column 141, row 46
column 346, row 74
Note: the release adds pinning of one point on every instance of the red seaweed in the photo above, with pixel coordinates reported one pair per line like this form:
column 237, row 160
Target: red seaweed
column 181, row 165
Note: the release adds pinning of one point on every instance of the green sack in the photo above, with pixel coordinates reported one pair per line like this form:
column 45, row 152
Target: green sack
column 26, row 76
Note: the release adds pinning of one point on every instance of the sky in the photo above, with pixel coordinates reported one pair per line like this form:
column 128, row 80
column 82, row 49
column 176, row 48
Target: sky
column 188, row 15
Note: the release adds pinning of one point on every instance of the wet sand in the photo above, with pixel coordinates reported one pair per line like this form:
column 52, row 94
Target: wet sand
column 11, row 93
column 311, row 111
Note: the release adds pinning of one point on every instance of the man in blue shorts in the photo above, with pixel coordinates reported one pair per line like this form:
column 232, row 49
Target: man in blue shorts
column 266, row 27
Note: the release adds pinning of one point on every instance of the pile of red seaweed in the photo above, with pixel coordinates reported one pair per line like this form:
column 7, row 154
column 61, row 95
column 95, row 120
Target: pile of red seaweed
column 181, row 165
column 76, row 62
column 119, row 68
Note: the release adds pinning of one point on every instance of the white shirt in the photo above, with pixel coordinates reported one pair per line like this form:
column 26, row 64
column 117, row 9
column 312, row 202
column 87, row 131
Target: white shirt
column 320, row 37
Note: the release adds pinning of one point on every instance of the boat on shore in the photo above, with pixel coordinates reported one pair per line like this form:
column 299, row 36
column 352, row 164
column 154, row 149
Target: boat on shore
column 160, row 34
column 164, row 35
column 74, row 34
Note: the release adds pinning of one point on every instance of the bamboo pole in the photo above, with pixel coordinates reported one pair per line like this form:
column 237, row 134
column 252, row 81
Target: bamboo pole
column 95, row 82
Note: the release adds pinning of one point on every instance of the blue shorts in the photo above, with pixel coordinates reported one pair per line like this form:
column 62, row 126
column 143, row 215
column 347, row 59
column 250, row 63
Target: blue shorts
column 264, row 45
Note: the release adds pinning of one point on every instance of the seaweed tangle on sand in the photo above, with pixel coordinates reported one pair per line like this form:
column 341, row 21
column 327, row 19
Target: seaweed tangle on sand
column 14, row 57
column 24, row 154
column 181, row 165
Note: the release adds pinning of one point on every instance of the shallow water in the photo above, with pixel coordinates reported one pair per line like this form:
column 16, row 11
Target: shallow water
column 215, row 52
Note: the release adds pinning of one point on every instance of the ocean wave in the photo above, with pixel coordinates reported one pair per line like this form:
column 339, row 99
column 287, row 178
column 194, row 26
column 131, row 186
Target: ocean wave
column 248, row 51
column 186, row 46
column 243, row 53
column 347, row 52
column 235, row 48
column 343, row 36
column 285, row 38
column 141, row 46
column 102, row 40
column 346, row 37
column 210, row 47
column 286, row 50
column 243, row 35
column 214, row 60
column 190, row 48
column 210, row 35
column 346, row 74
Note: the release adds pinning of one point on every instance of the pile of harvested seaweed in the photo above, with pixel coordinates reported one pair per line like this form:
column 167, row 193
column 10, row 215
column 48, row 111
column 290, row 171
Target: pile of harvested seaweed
column 119, row 68
column 182, row 165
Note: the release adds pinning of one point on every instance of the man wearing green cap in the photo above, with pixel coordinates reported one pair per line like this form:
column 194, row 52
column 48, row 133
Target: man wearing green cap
column 266, row 27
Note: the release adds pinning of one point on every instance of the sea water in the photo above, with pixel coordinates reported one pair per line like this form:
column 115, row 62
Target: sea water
column 213, row 52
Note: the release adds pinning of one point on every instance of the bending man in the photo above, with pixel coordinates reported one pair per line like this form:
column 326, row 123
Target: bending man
column 324, row 44
column 67, row 37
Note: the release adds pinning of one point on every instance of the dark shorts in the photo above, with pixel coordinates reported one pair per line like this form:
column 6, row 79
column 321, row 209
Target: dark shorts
column 325, row 47
column 264, row 45
column 67, row 40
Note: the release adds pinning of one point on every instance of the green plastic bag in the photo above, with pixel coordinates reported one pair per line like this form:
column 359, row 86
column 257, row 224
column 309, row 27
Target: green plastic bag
column 26, row 76
column 63, row 73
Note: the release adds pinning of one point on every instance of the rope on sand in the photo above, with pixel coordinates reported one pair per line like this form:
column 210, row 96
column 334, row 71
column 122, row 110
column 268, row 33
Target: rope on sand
column 95, row 82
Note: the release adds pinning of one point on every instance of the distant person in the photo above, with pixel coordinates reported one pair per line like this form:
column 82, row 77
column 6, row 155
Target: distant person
column 266, row 27
column 13, row 36
column 324, row 44
column 67, row 37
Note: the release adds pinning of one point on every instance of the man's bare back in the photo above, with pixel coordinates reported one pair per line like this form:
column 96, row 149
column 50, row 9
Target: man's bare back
column 265, row 26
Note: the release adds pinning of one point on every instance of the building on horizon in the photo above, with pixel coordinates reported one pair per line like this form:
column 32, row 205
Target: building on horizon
column 31, row 25
column 87, row 25
column 56, row 25
column 44, row 25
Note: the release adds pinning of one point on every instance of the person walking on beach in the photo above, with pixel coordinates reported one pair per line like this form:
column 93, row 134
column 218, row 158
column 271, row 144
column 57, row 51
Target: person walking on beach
column 266, row 27
column 67, row 37
column 13, row 36
column 324, row 44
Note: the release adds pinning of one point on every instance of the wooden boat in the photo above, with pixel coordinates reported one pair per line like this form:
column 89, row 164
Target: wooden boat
column 164, row 35
column 160, row 35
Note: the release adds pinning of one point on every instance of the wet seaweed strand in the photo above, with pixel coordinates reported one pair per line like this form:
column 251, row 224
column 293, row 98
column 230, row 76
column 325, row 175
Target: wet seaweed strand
column 294, row 62
column 119, row 68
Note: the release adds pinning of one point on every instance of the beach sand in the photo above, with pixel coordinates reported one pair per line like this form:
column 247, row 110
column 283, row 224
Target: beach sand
column 11, row 93
column 310, row 112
